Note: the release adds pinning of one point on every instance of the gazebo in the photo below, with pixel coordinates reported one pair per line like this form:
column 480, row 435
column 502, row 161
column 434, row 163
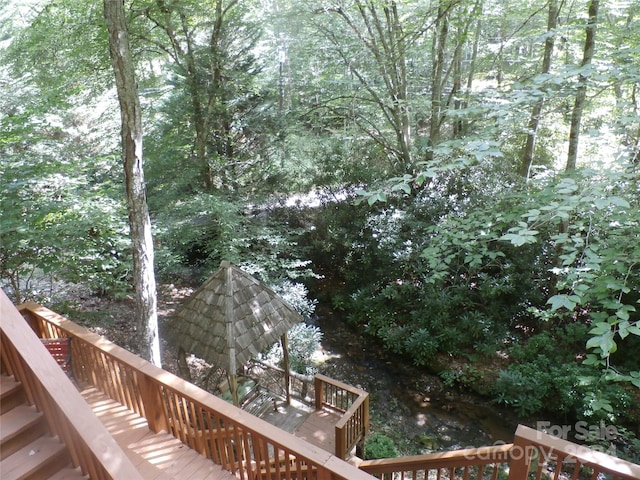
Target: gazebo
column 230, row 319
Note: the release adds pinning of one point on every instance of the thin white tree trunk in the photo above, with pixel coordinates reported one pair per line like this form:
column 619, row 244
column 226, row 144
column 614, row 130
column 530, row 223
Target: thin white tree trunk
column 139, row 222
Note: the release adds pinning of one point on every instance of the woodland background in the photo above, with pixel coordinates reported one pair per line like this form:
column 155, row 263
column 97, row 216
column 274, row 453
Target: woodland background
column 459, row 179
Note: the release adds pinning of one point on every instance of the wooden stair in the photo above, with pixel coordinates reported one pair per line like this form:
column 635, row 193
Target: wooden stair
column 27, row 450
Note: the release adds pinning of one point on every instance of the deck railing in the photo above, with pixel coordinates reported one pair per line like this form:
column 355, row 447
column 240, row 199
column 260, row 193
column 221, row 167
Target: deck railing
column 88, row 442
column 353, row 403
column 239, row 442
column 533, row 455
column 273, row 379
column 537, row 455
column 475, row 463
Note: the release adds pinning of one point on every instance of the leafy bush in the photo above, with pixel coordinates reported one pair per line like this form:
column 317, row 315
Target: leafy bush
column 197, row 233
column 304, row 340
column 378, row 445
column 464, row 376
column 520, row 392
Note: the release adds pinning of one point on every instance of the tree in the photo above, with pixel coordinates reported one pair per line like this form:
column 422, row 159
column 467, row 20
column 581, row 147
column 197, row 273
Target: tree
column 380, row 75
column 441, row 29
column 139, row 221
column 534, row 120
column 62, row 217
column 581, row 94
column 209, row 48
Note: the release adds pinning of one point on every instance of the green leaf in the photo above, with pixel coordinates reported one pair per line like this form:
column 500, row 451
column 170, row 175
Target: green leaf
column 619, row 201
column 559, row 301
column 592, row 359
column 379, row 196
column 604, row 342
column 623, row 329
column 532, row 215
column 634, row 329
column 600, row 328
column 602, row 404
column 523, row 237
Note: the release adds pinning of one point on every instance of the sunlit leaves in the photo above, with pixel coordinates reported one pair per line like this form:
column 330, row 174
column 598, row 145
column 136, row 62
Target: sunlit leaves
column 568, row 302
column 590, row 221
column 372, row 197
column 520, row 235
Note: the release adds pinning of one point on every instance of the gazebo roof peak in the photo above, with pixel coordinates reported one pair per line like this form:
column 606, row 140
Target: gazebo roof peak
column 231, row 318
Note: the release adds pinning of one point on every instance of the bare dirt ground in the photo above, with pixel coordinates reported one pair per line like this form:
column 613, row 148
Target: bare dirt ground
column 114, row 319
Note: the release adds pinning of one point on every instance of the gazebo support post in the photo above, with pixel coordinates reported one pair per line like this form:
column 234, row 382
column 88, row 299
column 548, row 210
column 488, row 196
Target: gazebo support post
column 287, row 376
column 183, row 366
column 231, row 337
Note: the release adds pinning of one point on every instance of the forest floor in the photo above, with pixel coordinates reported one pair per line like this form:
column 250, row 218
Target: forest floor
column 114, row 319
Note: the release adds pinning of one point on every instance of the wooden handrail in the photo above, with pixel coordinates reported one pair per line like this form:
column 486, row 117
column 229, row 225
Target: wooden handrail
column 232, row 438
column 305, row 381
column 533, row 455
column 473, row 463
column 90, row 445
column 538, row 453
column 353, row 403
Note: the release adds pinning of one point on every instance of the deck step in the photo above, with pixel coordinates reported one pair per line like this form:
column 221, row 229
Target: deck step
column 11, row 393
column 69, row 474
column 20, row 426
column 158, row 456
column 41, row 458
column 260, row 404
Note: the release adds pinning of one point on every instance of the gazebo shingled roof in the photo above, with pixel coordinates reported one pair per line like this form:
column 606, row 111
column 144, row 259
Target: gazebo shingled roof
column 256, row 318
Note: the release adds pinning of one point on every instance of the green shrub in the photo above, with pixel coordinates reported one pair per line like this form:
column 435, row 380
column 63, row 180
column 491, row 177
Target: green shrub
column 304, row 340
column 464, row 376
column 378, row 445
column 523, row 394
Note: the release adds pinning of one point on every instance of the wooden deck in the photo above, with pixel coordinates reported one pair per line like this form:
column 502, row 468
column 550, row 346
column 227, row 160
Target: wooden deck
column 161, row 456
column 316, row 427
column 158, row 456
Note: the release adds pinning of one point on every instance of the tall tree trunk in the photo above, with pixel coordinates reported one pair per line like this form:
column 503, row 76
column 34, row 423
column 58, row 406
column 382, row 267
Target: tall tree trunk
column 477, row 14
column 635, row 153
column 457, row 97
column 457, row 84
column 398, row 57
column 441, row 30
column 183, row 55
column 139, row 222
column 581, row 95
column 534, row 120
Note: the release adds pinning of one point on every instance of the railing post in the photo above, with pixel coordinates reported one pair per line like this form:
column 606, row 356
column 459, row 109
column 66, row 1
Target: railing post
column 365, row 421
column 341, row 441
column 519, row 459
column 365, row 428
column 318, row 386
column 153, row 404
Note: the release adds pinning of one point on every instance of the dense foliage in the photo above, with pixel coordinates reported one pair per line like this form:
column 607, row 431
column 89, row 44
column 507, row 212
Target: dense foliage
column 404, row 162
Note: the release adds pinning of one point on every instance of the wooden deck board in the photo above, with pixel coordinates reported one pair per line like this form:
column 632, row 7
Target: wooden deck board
column 287, row 417
column 316, row 427
column 158, row 456
column 319, row 430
